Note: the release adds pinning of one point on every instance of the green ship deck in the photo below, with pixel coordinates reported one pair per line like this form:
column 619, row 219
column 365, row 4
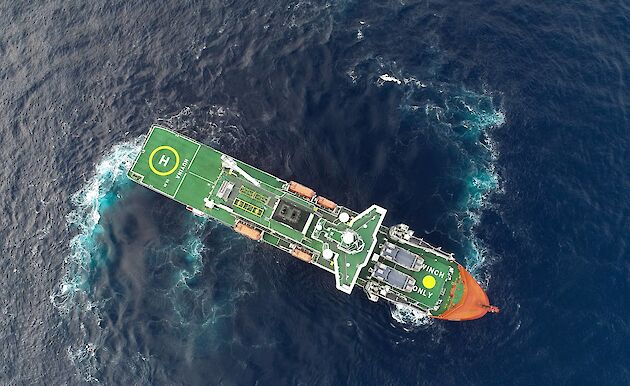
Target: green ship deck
column 339, row 240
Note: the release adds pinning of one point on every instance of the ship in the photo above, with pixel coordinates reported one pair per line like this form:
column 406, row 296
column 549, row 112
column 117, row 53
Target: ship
column 388, row 263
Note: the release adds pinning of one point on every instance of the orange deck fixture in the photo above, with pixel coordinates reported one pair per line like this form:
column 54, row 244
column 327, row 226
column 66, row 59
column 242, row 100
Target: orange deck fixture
column 326, row 203
column 301, row 190
column 248, row 231
column 300, row 254
column 474, row 302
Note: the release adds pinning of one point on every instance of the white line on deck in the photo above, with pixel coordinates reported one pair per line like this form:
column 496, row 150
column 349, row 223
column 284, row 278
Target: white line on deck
column 198, row 176
column 194, row 155
column 180, row 184
column 189, row 165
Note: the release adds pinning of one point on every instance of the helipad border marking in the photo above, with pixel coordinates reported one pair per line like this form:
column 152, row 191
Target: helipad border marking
column 154, row 170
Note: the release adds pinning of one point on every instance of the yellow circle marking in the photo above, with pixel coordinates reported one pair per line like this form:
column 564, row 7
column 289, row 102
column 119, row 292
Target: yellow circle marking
column 428, row 281
column 159, row 173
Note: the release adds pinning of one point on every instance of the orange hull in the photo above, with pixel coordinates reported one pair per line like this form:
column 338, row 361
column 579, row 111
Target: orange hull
column 474, row 302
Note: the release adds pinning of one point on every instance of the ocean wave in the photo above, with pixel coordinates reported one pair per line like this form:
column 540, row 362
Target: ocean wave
column 464, row 121
column 471, row 118
column 197, row 306
column 210, row 124
column 75, row 296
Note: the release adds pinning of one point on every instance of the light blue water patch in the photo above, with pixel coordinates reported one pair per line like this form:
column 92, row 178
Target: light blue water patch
column 89, row 255
column 89, row 203
column 196, row 304
column 102, row 278
column 471, row 117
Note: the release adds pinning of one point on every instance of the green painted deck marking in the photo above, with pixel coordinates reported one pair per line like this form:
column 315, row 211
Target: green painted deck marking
column 192, row 173
column 191, row 189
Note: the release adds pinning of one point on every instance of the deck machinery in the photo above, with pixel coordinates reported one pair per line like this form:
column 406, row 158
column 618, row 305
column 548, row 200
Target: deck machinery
column 388, row 263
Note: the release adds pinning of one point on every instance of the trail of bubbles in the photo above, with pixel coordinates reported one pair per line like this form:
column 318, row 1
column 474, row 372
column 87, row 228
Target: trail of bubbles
column 72, row 296
column 470, row 118
column 192, row 304
column 96, row 195
column 193, row 248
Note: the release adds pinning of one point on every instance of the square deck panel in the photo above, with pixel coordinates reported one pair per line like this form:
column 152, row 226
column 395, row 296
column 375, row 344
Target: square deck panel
column 193, row 190
column 291, row 215
column 207, row 164
column 248, row 207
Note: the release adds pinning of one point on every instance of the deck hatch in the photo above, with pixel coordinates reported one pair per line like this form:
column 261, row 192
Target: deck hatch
column 254, row 195
column 402, row 257
column 393, row 277
column 225, row 190
column 291, row 215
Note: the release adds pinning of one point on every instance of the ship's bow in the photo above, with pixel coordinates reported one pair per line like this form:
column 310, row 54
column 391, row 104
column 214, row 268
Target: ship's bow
column 474, row 302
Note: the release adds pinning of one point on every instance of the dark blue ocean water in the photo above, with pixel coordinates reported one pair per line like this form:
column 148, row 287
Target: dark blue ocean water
column 496, row 129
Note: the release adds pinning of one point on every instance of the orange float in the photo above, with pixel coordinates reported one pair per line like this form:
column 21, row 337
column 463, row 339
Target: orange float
column 301, row 190
column 300, row 254
column 248, row 231
column 326, row 203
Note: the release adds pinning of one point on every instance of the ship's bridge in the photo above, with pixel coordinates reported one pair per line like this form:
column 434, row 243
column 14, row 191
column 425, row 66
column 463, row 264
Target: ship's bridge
column 350, row 244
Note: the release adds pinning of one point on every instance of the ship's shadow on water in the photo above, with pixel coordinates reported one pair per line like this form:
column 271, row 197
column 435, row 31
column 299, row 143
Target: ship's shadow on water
column 173, row 282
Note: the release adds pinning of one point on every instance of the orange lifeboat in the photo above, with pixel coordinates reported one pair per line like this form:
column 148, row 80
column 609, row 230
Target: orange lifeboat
column 248, row 231
column 300, row 254
column 326, row 203
column 301, row 190
column 474, row 302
